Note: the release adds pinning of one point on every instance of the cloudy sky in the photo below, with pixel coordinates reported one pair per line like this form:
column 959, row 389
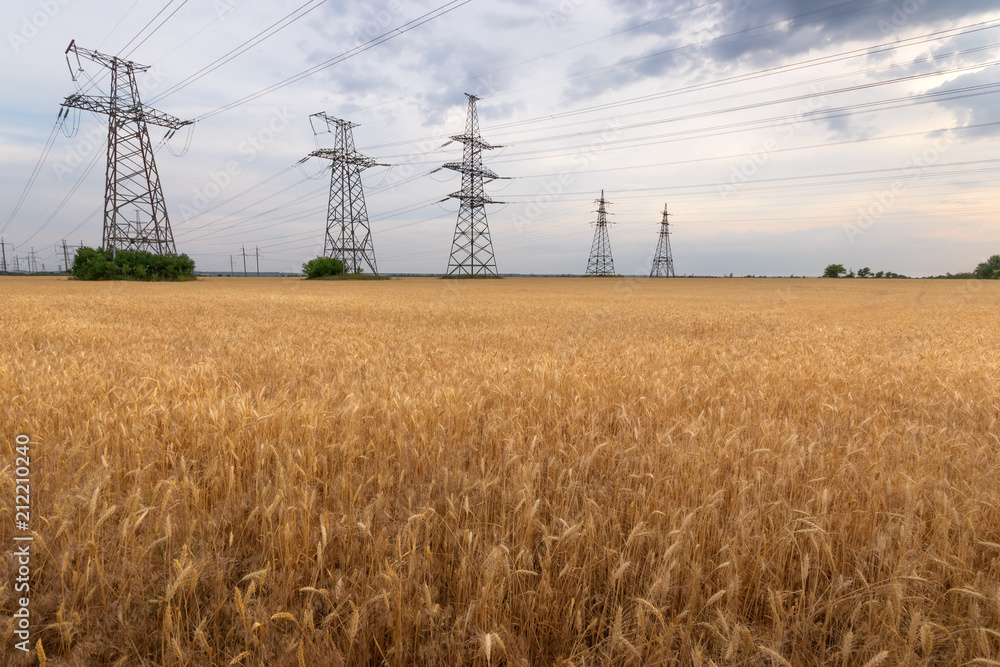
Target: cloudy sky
column 783, row 134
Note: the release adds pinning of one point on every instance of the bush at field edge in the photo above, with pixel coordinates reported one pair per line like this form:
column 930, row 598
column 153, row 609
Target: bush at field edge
column 100, row 264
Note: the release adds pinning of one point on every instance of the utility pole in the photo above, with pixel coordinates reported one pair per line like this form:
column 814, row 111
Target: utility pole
column 131, row 179
column 32, row 261
column 17, row 264
column 663, row 260
column 472, row 247
column 243, row 248
column 348, row 234
column 65, row 247
column 230, row 266
column 3, row 251
column 601, row 263
column 257, row 253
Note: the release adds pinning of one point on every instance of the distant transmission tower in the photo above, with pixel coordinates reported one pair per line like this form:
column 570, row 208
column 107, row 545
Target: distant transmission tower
column 472, row 248
column 348, row 236
column 135, row 217
column 663, row 261
column 601, row 263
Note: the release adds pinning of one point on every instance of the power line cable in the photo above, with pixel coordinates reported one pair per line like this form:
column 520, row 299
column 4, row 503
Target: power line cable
column 65, row 200
column 34, row 172
column 271, row 30
column 392, row 34
column 813, row 62
column 131, row 41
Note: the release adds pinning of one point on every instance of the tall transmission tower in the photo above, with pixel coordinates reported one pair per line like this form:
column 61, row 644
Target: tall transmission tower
column 471, row 247
column 663, row 260
column 601, row 263
column 135, row 216
column 348, row 236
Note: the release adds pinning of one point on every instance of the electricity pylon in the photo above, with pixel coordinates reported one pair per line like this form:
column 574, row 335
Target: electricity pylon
column 663, row 260
column 471, row 247
column 601, row 263
column 348, row 236
column 135, row 216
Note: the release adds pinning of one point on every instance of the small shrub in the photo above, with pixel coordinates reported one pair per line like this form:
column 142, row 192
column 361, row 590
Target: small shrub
column 322, row 267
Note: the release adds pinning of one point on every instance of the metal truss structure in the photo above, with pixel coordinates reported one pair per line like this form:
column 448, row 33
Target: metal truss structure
column 663, row 260
column 135, row 216
column 601, row 263
column 472, row 248
column 348, row 234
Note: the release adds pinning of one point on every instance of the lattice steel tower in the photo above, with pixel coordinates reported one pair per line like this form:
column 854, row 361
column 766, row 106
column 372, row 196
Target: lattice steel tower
column 601, row 263
column 135, row 216
column 472, row 248
column 663, row 261
column 348, row 236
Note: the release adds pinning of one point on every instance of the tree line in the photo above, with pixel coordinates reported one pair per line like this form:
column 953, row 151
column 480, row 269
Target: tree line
column 988, row 270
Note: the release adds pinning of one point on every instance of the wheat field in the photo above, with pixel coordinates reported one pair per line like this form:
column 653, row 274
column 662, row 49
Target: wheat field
column 515, row 472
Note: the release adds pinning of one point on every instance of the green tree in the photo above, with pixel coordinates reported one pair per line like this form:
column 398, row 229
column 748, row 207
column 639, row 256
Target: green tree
column 864, row 273
column 322, row 267
column 834, row 271
column 990, row 269
column 880, row 274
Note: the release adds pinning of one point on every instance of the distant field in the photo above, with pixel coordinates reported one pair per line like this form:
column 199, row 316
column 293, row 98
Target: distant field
column 524, row 471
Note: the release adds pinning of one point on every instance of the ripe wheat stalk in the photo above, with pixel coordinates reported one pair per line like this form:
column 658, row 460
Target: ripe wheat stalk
column 517, row 472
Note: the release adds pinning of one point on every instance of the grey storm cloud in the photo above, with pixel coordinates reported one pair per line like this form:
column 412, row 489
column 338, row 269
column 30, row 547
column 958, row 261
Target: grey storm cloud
column 717, row 37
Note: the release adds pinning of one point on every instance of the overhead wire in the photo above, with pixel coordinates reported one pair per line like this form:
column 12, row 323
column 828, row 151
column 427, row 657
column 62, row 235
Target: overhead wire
column 151, row 21
column 812, row 94
column 772, row 71
column 438, row 12
column 702, row 45
column 282, row 23
column 744, row 156
column 34, row 172
column 65, row 200
column 772, row 121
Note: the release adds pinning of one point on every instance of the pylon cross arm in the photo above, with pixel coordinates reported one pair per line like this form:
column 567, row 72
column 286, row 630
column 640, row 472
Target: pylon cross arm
column 105, row 105
column 473, row 170
column 476, row 141
column 104, row 59
column 345, row 157
column 473, row 199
